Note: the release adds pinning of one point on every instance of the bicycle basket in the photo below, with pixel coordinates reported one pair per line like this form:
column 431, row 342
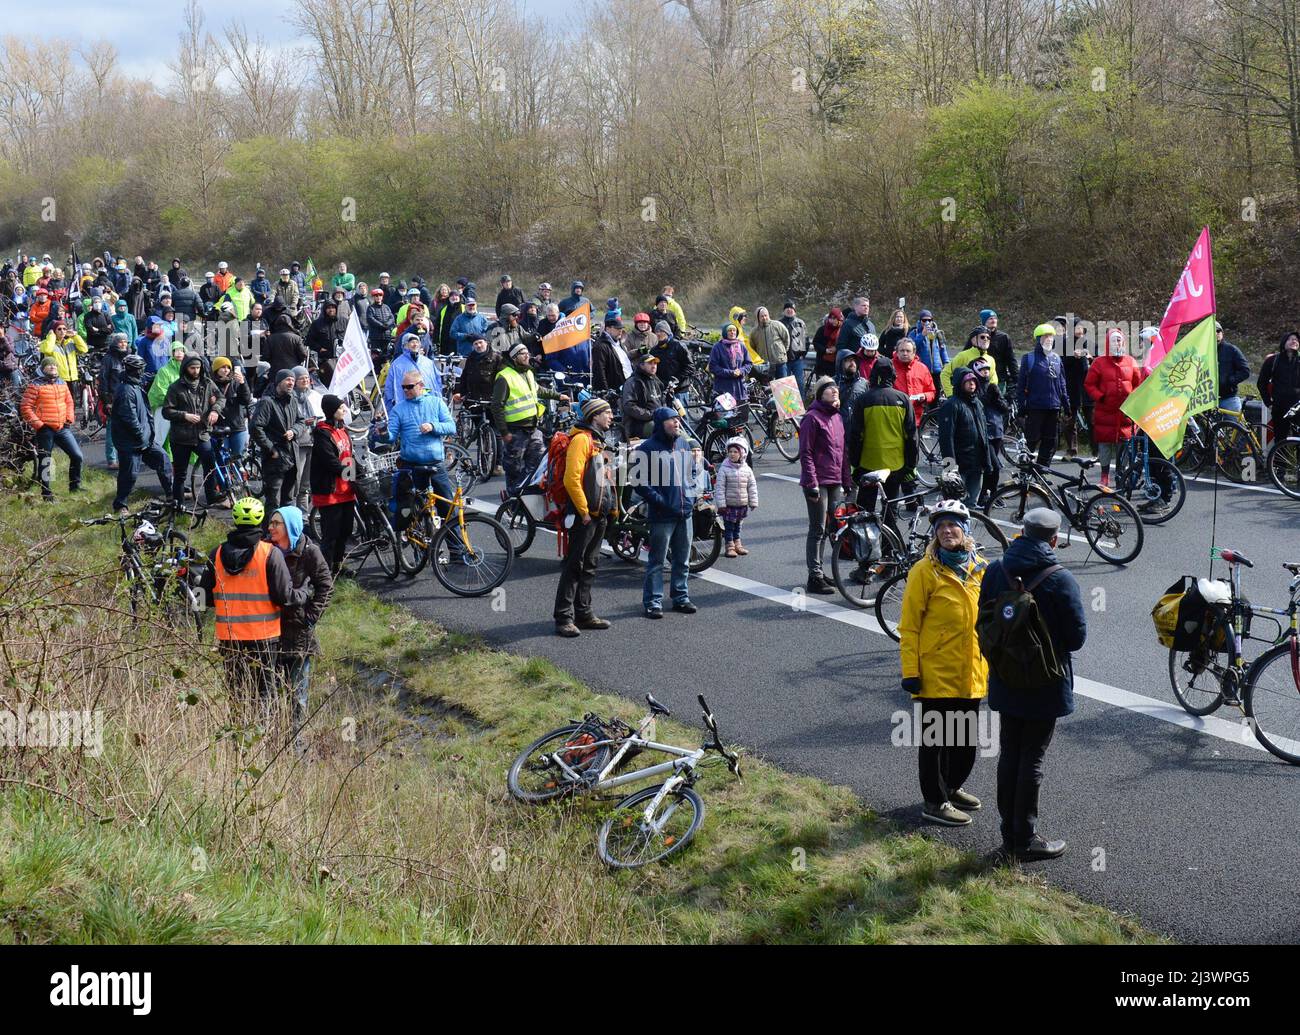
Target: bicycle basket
column 377, row 464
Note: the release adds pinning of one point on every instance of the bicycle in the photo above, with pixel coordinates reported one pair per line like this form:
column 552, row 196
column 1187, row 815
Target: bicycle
column 467, row 542
column 646, row 826
column 1237, row 451
column 1154, row 484
column 372, row 528
column 89, row 408
column 161, row 569
column 1107, row 520
column 233, row 477
column 476, row 433
column 1268, row 691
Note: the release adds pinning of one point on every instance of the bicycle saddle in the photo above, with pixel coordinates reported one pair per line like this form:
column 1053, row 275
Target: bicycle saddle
column 1294, row 569
column 1214, row 591
column 1084, row 462
column 655, row 706
column 872, row 477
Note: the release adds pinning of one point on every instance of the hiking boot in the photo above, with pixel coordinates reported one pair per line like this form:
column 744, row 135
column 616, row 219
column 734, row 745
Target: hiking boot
column 731, row 550
column 567, row 629
column 740, row 549
column 592, row 623
column 818, row 584
column 945, row 814
column 1040, row 848
column 964, row 800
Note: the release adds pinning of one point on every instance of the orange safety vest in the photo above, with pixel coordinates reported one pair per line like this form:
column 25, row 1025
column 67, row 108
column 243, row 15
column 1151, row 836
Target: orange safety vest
column 243, row 602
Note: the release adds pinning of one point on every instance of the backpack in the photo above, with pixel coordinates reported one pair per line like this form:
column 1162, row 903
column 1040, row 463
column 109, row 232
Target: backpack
column 557, row 453
column 1014, row 639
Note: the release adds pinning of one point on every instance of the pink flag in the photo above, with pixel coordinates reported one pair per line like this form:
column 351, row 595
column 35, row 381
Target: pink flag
column 1193, row 300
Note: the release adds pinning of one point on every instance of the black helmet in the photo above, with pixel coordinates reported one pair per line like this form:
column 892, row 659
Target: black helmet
column 134, row 364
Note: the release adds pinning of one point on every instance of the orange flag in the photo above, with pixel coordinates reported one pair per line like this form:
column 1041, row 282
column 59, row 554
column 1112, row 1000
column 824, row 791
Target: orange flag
column 572, row 330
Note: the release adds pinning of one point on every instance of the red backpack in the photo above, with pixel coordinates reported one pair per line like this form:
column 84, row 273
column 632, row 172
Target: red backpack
column 557, row 454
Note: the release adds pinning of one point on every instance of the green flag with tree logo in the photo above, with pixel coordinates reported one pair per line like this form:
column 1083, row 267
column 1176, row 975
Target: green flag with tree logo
column 1185, row 382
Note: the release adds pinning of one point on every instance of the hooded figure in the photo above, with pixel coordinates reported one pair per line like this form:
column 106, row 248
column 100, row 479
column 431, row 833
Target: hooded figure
column 964, row 434
column 575, row 299
column 1279, row 384
column 729, row 363
column 734, row 315
column 852, row 385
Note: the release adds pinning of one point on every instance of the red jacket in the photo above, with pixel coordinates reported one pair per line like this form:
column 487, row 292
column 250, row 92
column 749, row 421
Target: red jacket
column 914, row 379
column 327, row 469
column 1110, row 380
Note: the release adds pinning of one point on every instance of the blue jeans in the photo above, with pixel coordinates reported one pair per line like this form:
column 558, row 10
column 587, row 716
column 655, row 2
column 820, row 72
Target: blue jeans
column 129, row 470
column 796, row 370
column 974, row 483
column 46, row 439
column 1233, row 402
column 777, row 370
column 296, row 671
column 667, row 537
column 237, row 443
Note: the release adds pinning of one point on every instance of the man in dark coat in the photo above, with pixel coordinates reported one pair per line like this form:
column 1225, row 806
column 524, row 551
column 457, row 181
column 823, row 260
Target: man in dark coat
column 1028, row 717
column 193, row 404
column 1233, row 370
column 130, row 425
column 275, row 423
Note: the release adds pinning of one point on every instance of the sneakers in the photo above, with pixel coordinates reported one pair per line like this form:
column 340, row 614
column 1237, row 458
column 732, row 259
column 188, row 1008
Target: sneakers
column 1040, row 848
column 567, row 629
column 818, row 584
column 685, row 607
column 964, row 800
column 592, row 623
column 653, row 612
column 945, row 813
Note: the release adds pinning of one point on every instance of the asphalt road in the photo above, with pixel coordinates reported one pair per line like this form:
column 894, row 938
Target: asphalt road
column 1185, row 823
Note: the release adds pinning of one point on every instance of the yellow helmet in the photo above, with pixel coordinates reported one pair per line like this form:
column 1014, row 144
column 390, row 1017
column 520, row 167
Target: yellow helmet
column 248, row 511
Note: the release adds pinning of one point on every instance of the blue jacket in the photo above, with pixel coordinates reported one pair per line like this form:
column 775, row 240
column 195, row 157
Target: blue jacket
column 154, row 351
column 576, row 360
column 1061, row 605
column 935, row 359
column 721, row 364
column 665, row 474
column 399, row 368
column 404, row 422
column 1042, row 381
column 131, row 422
column 261, row 289
column 465, row 328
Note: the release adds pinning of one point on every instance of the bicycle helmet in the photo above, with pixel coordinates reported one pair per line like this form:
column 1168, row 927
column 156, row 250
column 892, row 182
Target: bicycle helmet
column 870, row 343
column 952, row 486
column 248, row 511
column 952, row 510
column 134, row 363
column 1045, row 328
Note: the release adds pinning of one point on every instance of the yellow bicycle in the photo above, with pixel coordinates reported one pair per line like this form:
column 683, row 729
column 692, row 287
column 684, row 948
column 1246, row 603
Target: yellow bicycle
column 471, row 552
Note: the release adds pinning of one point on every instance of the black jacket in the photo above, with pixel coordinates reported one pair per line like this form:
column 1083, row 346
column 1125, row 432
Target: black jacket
column 1279, row 380
column 379, row 324
column 307, row 566
column 238, row 404
column 512, row 296
column 479, row 373
column 606, row 369
column 185, row 300
column 964, row 433
column 99, row 325
column 184, row 396
column 1004, row 361
column 1233, row 369
column 111, row 372
column 284, row 349
column 131, row 422
column 674, row 362
column 272, row 417
column 642, row 395
column 326, row 463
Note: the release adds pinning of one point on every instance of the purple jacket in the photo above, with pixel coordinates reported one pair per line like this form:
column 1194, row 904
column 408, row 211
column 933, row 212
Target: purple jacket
column 823, row 459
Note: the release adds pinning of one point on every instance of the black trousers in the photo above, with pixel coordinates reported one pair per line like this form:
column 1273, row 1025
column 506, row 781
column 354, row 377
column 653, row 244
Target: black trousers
column 1022, row 746
column 278, row 482
column 1041, row 433
column 573, row 597
column 336, row 521
column 945, row 761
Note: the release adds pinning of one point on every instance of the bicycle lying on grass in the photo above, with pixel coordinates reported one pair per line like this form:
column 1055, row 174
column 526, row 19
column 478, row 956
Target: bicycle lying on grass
column 1215, row 672
column 580, row 758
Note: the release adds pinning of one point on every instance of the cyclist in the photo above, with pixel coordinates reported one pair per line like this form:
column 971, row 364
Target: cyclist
column 516, row 411
column 913, row 378
column 642, row 395
column 1003, row 353
column 247, row 584
column 64, row 344
column 853, row 388
column 798, row 331
column 110, row 375
column 671, row 460
column 642, row 339
column 238, row 404
column 729, row 363
column 411, row 357
column 895, row 332
column 1042, row 393
column 131, row 429
column 995, row 416
column 479, row 372
column 1279, row 384
column 1076, row 372
column 418, row 424
column 825, row 344
column 192, row 406
column 823, row 474
column 931, row 345
column 1110, row 381
column 1233, row 370
column 942, row 667
column 274, row 426
column 978, row 343
column 674, row 359
column 771, row 341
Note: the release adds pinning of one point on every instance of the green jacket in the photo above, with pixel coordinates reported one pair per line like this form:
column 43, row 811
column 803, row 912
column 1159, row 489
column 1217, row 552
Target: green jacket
column 167, row 375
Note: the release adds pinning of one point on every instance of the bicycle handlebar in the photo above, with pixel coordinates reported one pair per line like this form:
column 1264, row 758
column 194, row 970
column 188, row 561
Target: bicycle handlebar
column 733, row 762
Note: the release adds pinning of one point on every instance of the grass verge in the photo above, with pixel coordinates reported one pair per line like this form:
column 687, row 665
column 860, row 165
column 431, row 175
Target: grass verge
column 192, row 828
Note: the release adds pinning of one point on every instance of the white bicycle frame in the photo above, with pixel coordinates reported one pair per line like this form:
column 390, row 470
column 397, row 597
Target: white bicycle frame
column 686, row 761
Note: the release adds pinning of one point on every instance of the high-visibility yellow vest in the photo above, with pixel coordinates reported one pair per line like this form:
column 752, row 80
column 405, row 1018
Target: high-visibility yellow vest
column 522, row 403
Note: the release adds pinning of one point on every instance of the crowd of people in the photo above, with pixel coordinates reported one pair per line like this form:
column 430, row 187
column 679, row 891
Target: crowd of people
column 170, row 407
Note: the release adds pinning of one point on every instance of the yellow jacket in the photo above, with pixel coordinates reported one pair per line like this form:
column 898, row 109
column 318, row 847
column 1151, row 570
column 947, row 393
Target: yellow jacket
column 939, row 645
column 65, row 356
column 679, row 315
column 964, row 359
column 582, row 447
column 754, row 357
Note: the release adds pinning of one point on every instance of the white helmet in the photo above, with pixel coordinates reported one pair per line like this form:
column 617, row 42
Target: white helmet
column 952, row 509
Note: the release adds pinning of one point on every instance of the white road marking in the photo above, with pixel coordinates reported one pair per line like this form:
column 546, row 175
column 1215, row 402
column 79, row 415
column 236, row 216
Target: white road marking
column 1238, row 732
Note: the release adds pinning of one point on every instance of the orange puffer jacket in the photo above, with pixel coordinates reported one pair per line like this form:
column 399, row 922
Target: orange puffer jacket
column 47, row 403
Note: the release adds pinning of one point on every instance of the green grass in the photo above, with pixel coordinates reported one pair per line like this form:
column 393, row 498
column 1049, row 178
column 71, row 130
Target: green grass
column 399, row 828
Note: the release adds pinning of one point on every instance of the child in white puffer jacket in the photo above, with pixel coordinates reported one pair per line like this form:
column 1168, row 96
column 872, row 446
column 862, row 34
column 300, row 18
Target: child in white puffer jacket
column 735, row 494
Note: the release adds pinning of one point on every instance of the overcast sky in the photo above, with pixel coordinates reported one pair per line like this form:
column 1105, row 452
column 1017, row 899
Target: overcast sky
column 145, row 33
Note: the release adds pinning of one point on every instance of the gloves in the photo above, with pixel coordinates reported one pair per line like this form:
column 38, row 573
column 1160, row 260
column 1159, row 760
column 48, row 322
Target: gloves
column 911, row 685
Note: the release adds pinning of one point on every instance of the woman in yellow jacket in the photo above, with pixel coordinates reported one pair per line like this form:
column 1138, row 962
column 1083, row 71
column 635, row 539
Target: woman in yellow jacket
column 943, row 668
column 64, row 344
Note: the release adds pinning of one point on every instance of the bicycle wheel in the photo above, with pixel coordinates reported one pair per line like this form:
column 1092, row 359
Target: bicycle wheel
column 1235, row 452
column 485, row 452
column 990, row 541
column 1007, row 507
column 628, row 840
column 1191, row 456
column 929, row 460
column 1272, row 701
column 889, row 604
column 533, row 777
column 1284, row 467
column 415, row 544
column 858, row 582
column 252, row 474
column 1157, row 497
column 1197, row 675
column 786, row 438
column 705, row 551
column 382, row 540
column 519, row 522
column 462, row 469
column 1112, row 527
column 474, row 558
